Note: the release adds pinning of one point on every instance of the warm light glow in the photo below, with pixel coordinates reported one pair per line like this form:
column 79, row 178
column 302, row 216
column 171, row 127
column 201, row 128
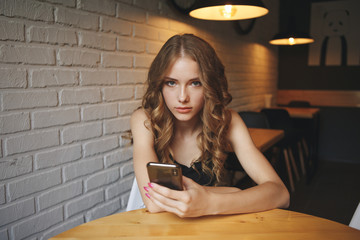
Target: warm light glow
column 228, row 11
column 291, row 41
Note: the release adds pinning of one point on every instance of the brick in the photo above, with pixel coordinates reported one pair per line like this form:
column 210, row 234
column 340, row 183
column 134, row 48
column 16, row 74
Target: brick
column 69, row 224
column 15, row 167
column 31, row 141
column 117, row 60
column 29, row 99
column 146, row 32
column 116, row 25
column 81, row 132
column 80, row 96
column 38, row 223
column 103, row 210
column 117, row 125
column 125, row 139
column 148, row 5
column 101, row 179
column 57, row 157
column 72, row 57
column 76, row 18
column 4, row 234
column 98, row 77
column 98, row 41
column 52, row 35
column 118, row 93
column 27, row 55
column 2, row 194
column 130, row 45
column 83, row 203
column 132, row 76
column 164, row 35
column 100, row 146
column 139, row 91
column 59, row 194
column 10, row 30
column 126, row 108
column 16, row 122
column 99, row 111
column 107, row 7
column 12, row 78
column 69, row 3
column 82, row 168
column 119, row 188
column 143, row 61
column 29, row 9
column 53, row 78
column 16, row 211
column 127, row 169
column 158, row 21
column 55, row 117
column 38, row 182
column 118, row 157
column 131, row 13
column 153, row 47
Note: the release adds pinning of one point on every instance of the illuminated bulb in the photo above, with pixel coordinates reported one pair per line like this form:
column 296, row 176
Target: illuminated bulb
column 291, row 41
column 228, row 11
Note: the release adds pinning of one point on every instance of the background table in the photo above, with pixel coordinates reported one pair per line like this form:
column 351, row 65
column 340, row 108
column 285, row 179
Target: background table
column 265, row 138
column 275, row 224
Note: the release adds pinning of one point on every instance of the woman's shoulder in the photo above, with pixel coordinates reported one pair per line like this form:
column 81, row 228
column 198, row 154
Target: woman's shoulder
column 138, row 116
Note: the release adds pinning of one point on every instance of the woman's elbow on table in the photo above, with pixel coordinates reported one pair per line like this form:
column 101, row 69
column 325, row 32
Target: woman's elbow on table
column 285, row 198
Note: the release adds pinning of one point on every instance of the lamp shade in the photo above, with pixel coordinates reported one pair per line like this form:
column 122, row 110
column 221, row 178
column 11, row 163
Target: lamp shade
column 291, row 38
column 227, row 10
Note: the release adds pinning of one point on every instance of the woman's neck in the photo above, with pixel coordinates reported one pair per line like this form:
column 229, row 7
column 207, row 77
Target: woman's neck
column 188, row 128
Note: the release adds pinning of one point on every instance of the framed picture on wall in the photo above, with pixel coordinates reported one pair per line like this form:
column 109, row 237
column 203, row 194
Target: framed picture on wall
column 335, row 27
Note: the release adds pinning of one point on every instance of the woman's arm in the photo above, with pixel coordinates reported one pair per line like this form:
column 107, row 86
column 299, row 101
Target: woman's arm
column 270, row 191
column 143, row 152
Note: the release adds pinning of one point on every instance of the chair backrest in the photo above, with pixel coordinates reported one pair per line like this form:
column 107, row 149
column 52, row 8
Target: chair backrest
column 254, row 119
column 278, row 118
column 135, row 201
column 299, row 104
column 355, row 220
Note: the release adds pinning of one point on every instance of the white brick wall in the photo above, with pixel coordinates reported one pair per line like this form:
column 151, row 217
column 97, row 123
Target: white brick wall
column 71, row 74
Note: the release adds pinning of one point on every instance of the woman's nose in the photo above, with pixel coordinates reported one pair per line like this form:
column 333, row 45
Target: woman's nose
column 183, row 96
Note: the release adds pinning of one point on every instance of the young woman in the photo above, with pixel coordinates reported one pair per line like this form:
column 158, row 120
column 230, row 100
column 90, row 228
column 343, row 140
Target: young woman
column 184, row 120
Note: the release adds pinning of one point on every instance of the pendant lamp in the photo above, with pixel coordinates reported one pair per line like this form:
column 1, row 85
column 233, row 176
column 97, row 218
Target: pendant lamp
column 291, row 36
column 227, row 10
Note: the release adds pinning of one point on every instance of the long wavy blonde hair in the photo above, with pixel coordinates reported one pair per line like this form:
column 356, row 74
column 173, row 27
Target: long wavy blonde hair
column 214, row 116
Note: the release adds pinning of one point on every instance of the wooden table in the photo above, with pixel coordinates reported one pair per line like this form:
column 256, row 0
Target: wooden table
column 275, row 224
column 265, row 138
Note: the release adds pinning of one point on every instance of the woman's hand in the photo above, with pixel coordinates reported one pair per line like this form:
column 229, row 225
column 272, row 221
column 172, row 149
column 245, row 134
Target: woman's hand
column 191, row 202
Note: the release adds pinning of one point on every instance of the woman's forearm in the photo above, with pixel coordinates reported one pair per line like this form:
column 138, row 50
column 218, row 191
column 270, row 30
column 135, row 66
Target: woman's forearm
column 263, row 197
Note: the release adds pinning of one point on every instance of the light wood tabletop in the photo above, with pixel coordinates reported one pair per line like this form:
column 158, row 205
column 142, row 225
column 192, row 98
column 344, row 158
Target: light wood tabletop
column 274, row 224
column 265, row 138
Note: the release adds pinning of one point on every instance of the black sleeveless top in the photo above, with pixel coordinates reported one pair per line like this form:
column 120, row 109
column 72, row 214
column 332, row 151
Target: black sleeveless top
column 196, row 173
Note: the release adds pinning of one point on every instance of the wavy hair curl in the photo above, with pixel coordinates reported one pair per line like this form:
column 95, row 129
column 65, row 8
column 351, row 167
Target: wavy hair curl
column 214, row 116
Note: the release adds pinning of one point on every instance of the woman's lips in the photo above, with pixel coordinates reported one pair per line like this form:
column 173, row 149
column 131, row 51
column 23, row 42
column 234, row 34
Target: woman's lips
column 183, row 109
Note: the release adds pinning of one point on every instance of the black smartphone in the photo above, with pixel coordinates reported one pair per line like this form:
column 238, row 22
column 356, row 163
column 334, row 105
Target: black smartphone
column 168, row 175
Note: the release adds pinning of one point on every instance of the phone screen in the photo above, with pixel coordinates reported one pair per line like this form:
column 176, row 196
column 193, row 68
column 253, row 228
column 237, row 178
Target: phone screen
column 168, row 175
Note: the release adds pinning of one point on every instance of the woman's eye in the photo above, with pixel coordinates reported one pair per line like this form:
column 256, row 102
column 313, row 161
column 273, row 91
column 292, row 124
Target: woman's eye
column 170, row 83
column 196, row 83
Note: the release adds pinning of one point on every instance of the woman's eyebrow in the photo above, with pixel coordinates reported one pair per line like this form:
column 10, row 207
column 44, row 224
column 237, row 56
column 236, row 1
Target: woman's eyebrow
column 174, row 79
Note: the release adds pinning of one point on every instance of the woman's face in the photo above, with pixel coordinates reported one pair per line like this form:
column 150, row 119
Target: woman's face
column 182, row 90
